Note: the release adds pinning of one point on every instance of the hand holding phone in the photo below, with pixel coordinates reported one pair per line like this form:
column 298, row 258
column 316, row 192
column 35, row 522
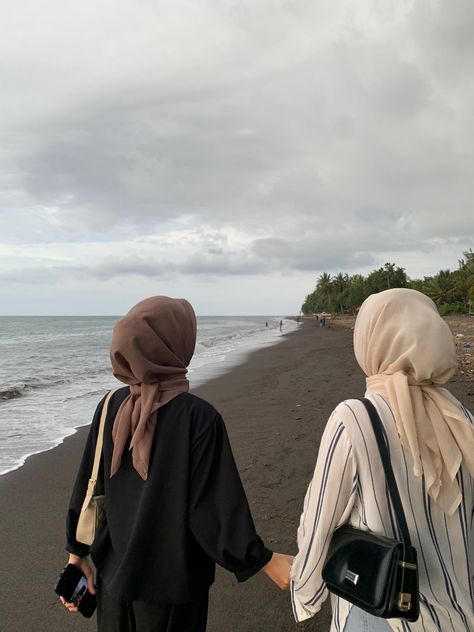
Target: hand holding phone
column 72, row 586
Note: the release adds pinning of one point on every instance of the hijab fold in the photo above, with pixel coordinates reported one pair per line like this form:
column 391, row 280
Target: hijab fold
column 407, row 351
column 150, row 350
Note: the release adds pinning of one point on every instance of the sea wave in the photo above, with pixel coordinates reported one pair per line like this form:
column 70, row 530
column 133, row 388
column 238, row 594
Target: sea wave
column 28, row 383
column 20, row 389
column 99, row 392
column 62, row 383
column 215, row 342
column 12, row 392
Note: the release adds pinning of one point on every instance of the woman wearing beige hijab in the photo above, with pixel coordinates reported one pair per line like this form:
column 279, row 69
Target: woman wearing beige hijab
column 174, row 501
column 407, row 352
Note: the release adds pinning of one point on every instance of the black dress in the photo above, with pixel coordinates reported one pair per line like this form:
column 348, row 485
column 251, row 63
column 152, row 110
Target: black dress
column 164, row 535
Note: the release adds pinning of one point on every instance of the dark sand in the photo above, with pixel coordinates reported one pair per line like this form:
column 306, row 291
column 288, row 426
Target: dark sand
column 275, row 407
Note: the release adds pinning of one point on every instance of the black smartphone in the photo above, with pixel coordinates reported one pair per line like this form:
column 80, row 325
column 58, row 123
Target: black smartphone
column 72, row 585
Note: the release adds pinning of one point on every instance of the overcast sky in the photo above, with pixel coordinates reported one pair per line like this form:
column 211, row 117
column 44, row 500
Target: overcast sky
column 229, row 151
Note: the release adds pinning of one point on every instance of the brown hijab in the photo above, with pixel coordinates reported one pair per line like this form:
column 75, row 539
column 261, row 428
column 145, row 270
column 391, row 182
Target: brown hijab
column 150, row 350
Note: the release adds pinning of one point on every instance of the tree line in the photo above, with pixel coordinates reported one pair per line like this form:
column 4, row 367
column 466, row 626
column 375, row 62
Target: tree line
column 452, row 291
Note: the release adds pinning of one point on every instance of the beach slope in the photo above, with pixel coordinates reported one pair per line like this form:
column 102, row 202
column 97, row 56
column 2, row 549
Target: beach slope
column 275, row 406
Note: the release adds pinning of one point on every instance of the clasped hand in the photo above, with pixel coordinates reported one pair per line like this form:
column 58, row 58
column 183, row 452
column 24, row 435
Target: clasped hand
column 278, row 570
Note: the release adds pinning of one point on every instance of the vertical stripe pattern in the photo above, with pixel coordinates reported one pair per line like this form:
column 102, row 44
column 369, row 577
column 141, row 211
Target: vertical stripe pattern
column 349, row 487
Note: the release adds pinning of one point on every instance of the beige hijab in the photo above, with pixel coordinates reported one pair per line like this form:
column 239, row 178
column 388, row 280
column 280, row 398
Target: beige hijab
column 407, row 351
column 150, row 350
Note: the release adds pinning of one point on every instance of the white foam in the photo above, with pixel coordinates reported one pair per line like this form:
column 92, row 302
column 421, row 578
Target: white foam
column 43, row 417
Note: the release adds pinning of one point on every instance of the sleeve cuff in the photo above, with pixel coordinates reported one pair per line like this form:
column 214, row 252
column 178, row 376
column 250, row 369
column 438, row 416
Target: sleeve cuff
column 81, row 550
column 301, row 612
column 243, row 575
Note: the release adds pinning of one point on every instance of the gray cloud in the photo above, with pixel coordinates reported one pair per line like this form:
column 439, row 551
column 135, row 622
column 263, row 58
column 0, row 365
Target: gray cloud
column 212, row 265
column 261, row 257
column 327, row 135
column 307, row 255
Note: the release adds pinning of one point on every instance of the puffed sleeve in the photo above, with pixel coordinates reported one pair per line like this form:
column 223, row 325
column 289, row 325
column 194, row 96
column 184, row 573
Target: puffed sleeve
column 220, row 517
column 80, row 487
column 327, row 505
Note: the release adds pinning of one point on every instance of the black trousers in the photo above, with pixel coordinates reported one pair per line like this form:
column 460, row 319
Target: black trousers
column 141, row 616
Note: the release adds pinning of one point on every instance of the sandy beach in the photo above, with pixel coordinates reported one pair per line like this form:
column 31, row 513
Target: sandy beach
column 275, row 406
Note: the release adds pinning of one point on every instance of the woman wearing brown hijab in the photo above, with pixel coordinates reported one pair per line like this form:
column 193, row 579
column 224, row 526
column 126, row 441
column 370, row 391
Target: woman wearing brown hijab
column 175, row 504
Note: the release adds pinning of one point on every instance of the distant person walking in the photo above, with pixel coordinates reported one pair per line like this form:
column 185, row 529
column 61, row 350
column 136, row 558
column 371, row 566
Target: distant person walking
column 174, row 501
column 281, row 325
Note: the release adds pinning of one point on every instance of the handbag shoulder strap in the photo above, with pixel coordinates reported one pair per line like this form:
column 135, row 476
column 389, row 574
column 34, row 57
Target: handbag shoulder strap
column 100, row 436
column 387, row 466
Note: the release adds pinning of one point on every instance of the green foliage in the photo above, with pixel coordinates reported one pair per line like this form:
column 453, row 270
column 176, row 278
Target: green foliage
column 457, row 307
column 453, row 292
column 416, row 284
column 385, row 278
column 464, row 279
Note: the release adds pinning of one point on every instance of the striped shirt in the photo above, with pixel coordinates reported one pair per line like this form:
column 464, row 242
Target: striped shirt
column 349, row 486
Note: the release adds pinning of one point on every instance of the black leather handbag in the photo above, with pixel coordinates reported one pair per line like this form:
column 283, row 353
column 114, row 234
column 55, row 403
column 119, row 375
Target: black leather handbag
column 376, row 573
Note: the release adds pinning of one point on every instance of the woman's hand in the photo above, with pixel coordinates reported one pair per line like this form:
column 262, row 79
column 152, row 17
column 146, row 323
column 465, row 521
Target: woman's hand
column 278, row 570
column 85, row 567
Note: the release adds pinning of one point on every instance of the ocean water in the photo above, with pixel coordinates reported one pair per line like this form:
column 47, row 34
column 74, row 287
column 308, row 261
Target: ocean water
column 54, row 370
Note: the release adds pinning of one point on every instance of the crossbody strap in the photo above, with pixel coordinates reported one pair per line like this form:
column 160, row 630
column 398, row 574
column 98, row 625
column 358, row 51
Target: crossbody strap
column 100, row 436
column 387, row 466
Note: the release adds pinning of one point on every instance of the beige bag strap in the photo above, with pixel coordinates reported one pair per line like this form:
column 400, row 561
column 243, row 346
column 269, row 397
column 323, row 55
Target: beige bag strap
column 98, row 446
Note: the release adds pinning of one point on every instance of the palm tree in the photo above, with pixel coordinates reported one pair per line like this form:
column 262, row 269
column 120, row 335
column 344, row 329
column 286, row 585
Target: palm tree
column 440, row 287
column 324, row 290
column 340, row 284
column 357, row 291
column 464, row 279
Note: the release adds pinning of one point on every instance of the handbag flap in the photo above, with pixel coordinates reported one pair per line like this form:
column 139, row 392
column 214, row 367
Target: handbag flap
column 353, row 557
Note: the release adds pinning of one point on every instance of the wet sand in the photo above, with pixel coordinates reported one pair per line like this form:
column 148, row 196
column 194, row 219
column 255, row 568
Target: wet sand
column 275, row 406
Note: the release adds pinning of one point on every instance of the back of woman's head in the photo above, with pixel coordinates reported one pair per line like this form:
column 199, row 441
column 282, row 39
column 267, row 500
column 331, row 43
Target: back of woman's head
column 155, row 339
column 407, row 352
column 401, row 330
column 151, row 348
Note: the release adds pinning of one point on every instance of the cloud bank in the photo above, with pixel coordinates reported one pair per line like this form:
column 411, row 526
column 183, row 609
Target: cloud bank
column 234, row 139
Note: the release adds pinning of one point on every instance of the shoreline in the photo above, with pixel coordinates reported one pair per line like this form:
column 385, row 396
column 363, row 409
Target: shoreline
column 275, row 406
column 211, row 368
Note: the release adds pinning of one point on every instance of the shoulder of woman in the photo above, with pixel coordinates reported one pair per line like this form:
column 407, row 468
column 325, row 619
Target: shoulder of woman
column 116, row 399
column 205, row 421
column 353, row 416
column 119, row 394
column 348, row 410
column 203, row 413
